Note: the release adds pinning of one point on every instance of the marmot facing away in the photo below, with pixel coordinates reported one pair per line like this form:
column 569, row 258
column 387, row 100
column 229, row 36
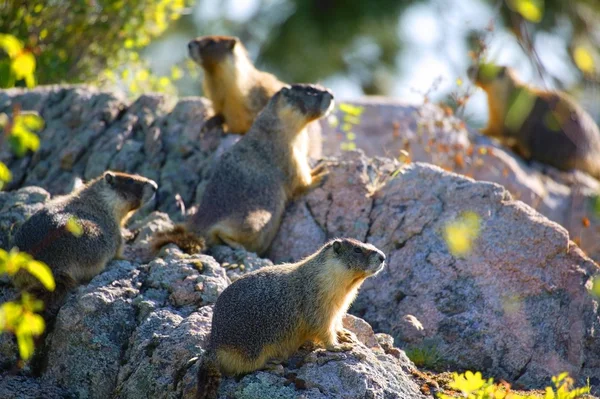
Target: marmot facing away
column 243, row 202
column 544, row 126
column 237, row 90
column 269, row 313
column 100, row 208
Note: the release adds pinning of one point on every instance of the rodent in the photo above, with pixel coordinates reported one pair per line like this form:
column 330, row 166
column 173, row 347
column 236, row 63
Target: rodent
column 540, row 125
column 237, row 90
column 269, row 313
column 100, row 208
column 244, row 199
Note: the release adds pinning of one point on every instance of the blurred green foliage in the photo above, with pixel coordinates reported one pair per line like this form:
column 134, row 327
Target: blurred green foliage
column 20, row 318
column 91, row 40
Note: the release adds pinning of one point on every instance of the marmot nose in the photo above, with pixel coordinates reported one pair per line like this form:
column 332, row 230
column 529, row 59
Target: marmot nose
column 382, row 257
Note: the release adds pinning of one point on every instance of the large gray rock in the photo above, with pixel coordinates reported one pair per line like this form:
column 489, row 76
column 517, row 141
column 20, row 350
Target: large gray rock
column 426, row 133
column 516, row 307
column 138, row 329
column 88, row 131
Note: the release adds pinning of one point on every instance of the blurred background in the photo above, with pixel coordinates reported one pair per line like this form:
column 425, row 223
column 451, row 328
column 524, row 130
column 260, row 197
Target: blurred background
column 415, row 50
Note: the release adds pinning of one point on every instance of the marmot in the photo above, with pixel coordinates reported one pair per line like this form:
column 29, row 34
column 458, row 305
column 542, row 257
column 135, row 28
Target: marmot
column 540, row 125
column 100, row 208
column 269, row 313
column 237, row 90
column 244, row 199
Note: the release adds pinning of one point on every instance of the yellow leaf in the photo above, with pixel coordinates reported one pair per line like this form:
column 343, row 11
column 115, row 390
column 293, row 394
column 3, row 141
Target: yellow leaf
column 176, row 73
column 129, row 43
column 74, row 227
column 459, row 82
column 26, row 346
column 350, row 136
column 11, row 45
column 38, row 8
column 164, row 82
column 355, row 110
column 43, row 34
column 23, row 65
column 31, row 120
column 5, row 175
column 461, row 233
column 596, row 286
column 531, row 10
column 583, row 59
column 42, row 272
column 142, row 75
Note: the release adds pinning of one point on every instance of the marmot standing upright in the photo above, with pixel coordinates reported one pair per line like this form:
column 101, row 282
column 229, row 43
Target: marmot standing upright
column 269, row 313
column 100, row 208
column 239, row 91
column 244, row 199
column 544, row 126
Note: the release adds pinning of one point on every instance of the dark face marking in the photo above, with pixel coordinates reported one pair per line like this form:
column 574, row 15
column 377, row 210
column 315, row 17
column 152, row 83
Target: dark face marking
column 312, row 100
column 134, row 189
column 209, row 50
column 359, row 256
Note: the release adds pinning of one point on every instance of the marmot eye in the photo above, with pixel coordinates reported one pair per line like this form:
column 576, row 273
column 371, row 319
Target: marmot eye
column 357, row 250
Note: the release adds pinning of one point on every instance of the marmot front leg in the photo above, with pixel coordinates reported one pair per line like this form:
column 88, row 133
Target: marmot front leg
column 332, row 344
column 346, row 336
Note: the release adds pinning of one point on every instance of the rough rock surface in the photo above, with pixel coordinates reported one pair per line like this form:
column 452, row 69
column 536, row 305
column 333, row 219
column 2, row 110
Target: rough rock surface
column 137, row 330
column 88, row 131
column 428, row 134
column 516, row 307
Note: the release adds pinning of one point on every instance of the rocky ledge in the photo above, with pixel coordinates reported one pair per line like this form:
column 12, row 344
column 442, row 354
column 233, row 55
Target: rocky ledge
column 515, row 307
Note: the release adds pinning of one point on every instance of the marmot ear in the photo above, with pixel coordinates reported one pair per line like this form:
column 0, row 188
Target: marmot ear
column 109, row 177
column 337, row 246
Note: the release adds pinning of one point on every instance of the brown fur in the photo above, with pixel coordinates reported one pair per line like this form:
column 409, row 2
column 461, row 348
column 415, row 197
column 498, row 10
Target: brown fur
column 239, row 91
column 100, row 208
column 268, row 314
column 540, row 125
column 244, row 199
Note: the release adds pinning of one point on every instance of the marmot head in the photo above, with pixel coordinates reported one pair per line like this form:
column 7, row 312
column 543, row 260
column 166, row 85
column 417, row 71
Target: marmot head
column 357, row 256
column 492, row 77
column 210, row 51
column 300, row 104
column 131, row 190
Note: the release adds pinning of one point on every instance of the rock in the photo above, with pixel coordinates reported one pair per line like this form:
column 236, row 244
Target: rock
column 427, row 133
column 516, row 307
column 16, row 208
column 21, row 387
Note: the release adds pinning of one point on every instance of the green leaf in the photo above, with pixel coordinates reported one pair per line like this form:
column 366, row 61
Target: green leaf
column 42, row 272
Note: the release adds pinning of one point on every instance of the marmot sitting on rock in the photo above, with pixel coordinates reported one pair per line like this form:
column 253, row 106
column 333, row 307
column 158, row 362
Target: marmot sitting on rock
column 544, row 126
column 269, row 313
column 100, row 208
column 237, row 90
column 244, row 199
